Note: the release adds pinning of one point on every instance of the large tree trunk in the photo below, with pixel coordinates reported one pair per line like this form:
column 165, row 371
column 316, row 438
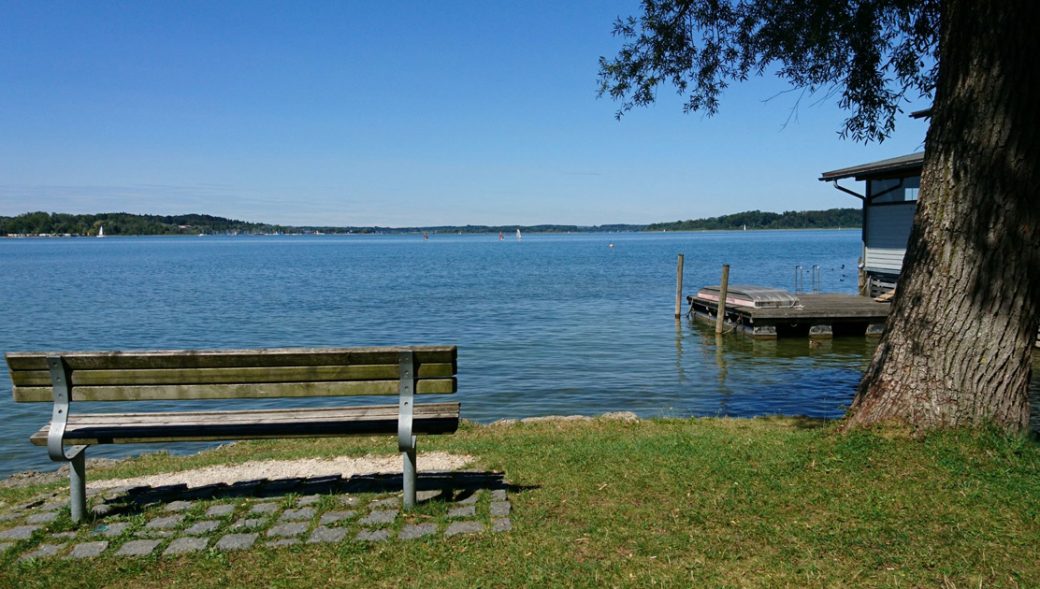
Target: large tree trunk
column 956, row 350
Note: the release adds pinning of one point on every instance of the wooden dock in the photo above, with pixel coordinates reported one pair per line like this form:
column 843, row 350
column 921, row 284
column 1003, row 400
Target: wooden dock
column 817, row 316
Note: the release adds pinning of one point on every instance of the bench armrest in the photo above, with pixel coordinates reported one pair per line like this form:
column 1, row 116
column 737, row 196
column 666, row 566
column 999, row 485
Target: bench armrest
column 406, row 403
column 61, row 381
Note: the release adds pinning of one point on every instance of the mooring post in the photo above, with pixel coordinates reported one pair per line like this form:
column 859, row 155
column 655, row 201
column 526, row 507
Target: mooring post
column 678, row 287
column 720, row 315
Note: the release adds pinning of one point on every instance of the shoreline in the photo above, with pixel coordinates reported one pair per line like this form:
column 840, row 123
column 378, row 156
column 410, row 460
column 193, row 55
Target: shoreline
column 60, row 473
column 16, row 236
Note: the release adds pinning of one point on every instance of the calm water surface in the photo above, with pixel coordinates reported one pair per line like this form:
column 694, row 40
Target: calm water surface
column 553, row 324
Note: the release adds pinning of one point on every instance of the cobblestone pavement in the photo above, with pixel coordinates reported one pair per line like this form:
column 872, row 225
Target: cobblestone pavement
column 174, row 520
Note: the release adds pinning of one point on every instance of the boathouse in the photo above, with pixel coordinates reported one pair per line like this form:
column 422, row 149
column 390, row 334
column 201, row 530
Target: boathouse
column 889, row 203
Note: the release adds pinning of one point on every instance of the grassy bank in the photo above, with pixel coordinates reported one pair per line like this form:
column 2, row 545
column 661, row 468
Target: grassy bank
column 729, row 503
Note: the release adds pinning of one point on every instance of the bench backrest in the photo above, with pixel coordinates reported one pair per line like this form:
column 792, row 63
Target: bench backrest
column 228, row 374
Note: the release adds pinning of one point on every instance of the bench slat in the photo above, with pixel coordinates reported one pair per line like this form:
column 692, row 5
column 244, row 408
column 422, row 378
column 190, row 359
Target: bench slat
column 128, row 360
column 236, row 391
column 123, row 428
column 153, row 376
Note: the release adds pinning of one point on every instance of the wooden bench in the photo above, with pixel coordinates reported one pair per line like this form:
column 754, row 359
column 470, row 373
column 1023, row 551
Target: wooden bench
column 194, row 375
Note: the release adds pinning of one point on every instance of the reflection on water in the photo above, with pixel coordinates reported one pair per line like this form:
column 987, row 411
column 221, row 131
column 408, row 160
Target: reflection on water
column 823, row 366
column 786, row 376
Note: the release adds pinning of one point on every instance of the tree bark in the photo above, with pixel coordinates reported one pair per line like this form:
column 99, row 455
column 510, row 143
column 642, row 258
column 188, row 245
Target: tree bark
column 957, row 347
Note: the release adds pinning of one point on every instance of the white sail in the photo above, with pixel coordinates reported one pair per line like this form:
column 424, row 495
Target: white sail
column 518, row 236
column 101, row 231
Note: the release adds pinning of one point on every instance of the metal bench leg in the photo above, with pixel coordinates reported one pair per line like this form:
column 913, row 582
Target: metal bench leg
column 78, row 484
column 409, row 477
column 405, row 438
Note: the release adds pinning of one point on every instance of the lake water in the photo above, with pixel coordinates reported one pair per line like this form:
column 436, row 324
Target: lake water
column 552, row 324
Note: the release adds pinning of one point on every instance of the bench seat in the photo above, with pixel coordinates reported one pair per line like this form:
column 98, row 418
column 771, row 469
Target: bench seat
column 211, row 426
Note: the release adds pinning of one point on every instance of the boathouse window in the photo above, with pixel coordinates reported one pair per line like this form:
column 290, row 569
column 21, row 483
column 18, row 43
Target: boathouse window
column 894, row 190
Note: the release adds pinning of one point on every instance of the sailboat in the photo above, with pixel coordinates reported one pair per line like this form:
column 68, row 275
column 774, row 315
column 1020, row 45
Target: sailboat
column 518, row 236
column 101, row 231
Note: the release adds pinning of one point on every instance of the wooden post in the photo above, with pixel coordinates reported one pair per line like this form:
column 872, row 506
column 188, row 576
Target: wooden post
column 720, row 315
column 678, row 287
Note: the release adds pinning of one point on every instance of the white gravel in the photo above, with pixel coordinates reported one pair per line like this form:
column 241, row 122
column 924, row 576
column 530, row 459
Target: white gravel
column 285, row 469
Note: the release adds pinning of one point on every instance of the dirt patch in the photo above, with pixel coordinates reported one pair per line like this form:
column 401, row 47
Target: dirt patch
column 286, row 469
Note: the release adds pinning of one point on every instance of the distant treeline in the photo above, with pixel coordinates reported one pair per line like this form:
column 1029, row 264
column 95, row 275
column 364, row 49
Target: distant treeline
column 762, row 220
column 40, row 223
column 482, row 229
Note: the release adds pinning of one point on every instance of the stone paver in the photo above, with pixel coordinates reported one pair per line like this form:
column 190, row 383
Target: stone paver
column 466, row 527
column 470, row 500
column 44, row 551
column 42, row 518
column 332, row 517
column 421, row 496
column 220, row 510
column 111, row 530
column 165, row 523
column 202, row 527
column 264, row 508
column 114, row 492
column 379, row 517
column 297, row 514
column 88, row 549
column 138, row 548
column 147, row 533
column 290, row 529
column 413, row 531
column 186, row 545
column 463, row 511
column 322, row 534
column 373, row 535
column 18, row 532
column 236, row 541
column 248, row 524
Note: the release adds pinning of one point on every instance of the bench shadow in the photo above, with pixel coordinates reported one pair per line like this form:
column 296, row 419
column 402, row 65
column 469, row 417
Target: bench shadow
column 435, row 486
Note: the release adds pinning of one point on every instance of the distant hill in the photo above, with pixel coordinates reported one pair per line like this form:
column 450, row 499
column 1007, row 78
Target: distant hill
column 827, row 219
column 40, row 223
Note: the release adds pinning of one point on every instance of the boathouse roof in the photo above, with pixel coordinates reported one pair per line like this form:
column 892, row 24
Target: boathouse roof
column 896, row 166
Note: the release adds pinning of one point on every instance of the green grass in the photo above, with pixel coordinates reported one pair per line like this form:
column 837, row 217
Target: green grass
column 672, row 503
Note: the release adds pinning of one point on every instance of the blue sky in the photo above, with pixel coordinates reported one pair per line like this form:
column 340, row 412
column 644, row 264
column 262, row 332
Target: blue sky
column 384, row 113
